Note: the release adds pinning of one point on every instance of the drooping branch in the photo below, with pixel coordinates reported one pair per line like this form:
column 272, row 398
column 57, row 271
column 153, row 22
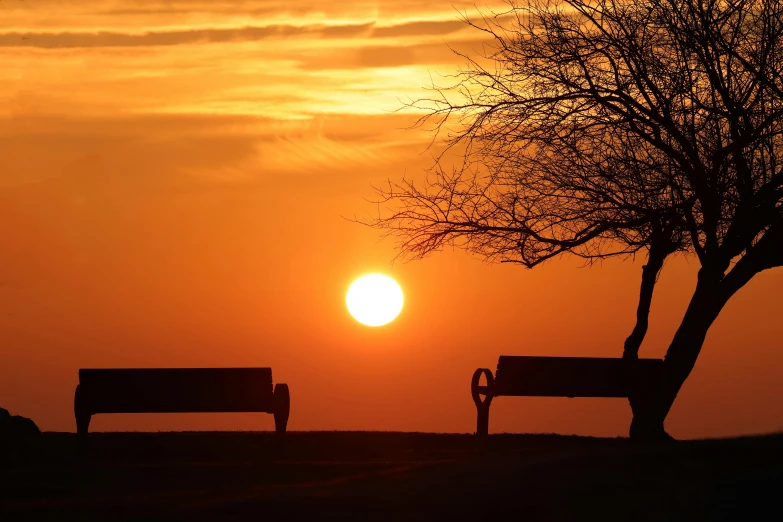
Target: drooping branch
column 499, row 220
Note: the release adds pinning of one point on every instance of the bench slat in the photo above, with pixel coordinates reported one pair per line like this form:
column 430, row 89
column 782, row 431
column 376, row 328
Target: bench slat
column 571, row 376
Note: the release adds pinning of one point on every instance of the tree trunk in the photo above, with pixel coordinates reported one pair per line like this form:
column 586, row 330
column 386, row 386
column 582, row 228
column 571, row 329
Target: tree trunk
column 653, row 402
column 713, row 291
column 650, row 273
column 640, row 396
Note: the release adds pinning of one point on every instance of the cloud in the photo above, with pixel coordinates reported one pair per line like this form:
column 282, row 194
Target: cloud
column 422, row 28
column 375, row 56
column 66, row 40
column 155, row 38
column 152, row 149
column 329, row 8
column 280, row 66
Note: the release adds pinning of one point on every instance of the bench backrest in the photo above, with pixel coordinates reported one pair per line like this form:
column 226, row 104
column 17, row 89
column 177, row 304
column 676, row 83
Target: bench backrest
column 573, row 376
column 174, row 390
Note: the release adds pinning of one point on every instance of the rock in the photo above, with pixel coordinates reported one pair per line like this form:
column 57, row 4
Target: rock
column 24, row 427
column 16, row 426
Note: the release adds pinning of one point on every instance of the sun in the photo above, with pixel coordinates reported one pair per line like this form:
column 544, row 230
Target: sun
column 374, row 299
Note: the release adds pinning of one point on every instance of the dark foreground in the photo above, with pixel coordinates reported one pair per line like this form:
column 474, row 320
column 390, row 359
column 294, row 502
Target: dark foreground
column 387, row 476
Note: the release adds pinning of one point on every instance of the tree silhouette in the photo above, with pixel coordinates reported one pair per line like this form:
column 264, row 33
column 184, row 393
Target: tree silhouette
column 607, row 128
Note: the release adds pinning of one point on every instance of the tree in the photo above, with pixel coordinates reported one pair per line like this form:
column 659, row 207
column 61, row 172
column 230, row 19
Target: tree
column 605, row 128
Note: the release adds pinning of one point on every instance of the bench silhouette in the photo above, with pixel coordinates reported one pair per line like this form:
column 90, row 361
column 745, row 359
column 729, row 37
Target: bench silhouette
column 533, row 376
column 179, row 390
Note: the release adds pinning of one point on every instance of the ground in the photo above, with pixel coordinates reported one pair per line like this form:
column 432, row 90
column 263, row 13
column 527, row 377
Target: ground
column 370, row 476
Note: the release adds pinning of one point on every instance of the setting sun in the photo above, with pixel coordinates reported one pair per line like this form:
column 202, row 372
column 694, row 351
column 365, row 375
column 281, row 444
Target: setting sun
column 374, row 299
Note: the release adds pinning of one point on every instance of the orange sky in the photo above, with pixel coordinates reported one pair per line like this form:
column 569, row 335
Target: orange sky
column 172, row 180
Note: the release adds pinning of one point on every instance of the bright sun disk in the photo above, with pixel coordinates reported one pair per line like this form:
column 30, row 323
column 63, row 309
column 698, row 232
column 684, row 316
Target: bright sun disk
column 374, row 299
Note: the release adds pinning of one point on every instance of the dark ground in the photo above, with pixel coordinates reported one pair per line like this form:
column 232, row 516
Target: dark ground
column 387, row 476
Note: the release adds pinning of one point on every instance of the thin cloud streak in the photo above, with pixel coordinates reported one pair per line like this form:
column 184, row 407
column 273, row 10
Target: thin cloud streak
column 168, row 38
column 161, row 15
column 65, row 40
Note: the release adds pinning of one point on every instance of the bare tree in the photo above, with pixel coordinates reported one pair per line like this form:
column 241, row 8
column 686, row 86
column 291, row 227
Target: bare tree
column 609, row 128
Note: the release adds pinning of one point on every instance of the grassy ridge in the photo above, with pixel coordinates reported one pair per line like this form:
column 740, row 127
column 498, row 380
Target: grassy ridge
column 386, row 476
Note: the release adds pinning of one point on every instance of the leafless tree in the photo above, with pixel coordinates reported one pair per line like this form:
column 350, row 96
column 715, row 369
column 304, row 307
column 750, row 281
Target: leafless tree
column 607, row 128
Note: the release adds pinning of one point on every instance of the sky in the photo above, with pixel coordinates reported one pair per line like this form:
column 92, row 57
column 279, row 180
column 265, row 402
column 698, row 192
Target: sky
column 176, row 183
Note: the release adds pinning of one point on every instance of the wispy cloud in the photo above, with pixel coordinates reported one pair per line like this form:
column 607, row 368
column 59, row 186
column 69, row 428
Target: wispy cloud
column 70, row 39
column 191, row 36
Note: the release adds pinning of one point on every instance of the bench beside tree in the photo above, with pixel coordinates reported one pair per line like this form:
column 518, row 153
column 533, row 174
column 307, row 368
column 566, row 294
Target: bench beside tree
column 533, row 376
column 613, row 128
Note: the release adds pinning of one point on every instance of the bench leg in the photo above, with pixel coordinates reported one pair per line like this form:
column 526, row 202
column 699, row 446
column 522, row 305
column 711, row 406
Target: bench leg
column 482, row 419
column 482, row 406
column 80, row 411
column 83, row 423
column 282, row 407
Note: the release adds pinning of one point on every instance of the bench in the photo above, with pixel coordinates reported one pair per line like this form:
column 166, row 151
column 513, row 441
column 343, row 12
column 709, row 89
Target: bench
column 179, row 390
column 529, row 376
